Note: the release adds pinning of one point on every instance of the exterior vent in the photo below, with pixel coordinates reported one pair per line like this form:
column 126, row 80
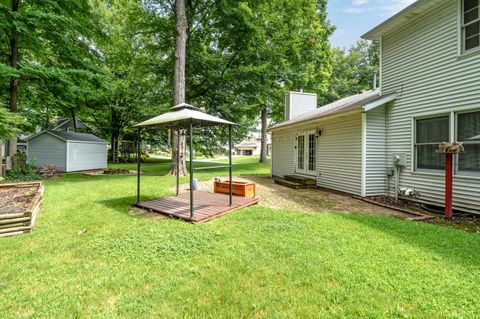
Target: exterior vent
column 298, row 104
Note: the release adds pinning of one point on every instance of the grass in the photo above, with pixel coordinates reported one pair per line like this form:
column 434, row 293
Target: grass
column 89, row 258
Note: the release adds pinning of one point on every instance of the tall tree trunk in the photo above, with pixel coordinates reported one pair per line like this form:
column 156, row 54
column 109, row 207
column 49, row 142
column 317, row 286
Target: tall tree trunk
column 1, row 158
column 115, row 135
column 74, row 119
column 13, row 80
column 264, row 141
column 179, row 84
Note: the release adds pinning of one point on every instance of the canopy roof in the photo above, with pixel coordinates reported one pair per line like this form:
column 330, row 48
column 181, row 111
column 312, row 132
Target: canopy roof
column 180, row 116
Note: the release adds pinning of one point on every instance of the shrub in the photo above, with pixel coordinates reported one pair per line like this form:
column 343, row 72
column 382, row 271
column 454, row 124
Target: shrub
column 23, row 173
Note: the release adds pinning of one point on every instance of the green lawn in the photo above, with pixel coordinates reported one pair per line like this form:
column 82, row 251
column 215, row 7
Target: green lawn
column 89, row 258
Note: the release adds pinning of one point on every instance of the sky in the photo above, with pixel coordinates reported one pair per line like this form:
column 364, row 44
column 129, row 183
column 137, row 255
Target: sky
column 353, row 18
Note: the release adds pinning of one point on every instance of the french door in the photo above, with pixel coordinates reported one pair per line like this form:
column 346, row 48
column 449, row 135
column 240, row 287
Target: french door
column 306, row 153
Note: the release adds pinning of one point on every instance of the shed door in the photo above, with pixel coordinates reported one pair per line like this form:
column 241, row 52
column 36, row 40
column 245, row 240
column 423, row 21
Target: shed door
column 306, row 153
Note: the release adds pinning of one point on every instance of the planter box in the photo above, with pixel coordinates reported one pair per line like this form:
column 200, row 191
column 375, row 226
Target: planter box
column 16, row 223
column 242, row 189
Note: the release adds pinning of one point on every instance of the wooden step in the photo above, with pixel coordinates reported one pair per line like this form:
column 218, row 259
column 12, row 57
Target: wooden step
column 292, row 184
column 301, row 179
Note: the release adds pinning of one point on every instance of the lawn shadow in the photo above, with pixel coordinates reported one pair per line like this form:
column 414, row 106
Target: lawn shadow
column 454, row 245
column 121, row 204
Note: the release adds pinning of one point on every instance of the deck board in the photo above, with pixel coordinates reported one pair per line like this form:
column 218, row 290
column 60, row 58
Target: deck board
column 207, row 205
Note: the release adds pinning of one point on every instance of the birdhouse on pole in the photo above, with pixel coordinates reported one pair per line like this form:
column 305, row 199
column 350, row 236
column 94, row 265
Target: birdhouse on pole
column 449, row 149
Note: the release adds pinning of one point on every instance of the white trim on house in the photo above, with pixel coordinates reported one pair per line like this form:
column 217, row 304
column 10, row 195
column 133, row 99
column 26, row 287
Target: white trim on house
column 453, row 129
column 364, row 155
column 380, row 53
column 380, row 102
column 67, row 162
column 401, row 18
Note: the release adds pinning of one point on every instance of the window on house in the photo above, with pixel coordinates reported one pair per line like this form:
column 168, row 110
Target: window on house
column 301, row 151
column 468, row 132
column 471, row 24
column 429, row 133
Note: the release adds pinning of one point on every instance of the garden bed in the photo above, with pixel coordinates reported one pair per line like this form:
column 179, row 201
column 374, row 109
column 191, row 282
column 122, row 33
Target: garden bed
column 19, row 206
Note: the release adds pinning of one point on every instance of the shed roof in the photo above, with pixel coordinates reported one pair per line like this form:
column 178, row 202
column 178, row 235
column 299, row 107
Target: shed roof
column 71, row 136
column 411, row 12
column 180, row 116
column 367, row 100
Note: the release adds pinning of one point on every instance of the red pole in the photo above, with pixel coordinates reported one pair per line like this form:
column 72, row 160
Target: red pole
column 448, row 185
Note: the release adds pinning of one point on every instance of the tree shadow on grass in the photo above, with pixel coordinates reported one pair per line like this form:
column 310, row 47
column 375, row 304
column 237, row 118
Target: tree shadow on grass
column 450, row 244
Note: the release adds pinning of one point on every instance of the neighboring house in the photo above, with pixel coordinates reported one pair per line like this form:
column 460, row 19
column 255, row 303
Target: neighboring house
column 251, row 145
column 429, row 93
column 21, row 144
column 62, row 124
column 66, row 124
column 67, row 151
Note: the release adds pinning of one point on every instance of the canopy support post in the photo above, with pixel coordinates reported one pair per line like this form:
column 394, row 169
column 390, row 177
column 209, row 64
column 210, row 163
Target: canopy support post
column 178, row 161
column 190, row 130
column 230, row 161
column 138, row 164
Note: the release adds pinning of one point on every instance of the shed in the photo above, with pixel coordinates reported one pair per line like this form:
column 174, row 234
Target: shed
column 68, row 151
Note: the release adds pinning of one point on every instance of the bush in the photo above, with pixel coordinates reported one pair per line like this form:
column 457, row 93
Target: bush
column 23, row 173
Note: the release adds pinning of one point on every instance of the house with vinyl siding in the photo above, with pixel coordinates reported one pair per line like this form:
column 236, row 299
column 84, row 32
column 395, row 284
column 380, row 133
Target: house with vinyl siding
column 383, row 142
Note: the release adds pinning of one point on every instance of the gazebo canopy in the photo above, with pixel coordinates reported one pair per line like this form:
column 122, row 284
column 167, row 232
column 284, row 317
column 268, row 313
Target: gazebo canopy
column 186, row 116
column 180, row 117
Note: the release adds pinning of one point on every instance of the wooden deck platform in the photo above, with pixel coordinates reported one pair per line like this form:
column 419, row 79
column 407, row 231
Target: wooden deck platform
column 207, row 205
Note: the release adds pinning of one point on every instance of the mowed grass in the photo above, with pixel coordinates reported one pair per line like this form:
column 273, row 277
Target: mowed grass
column 88, row 258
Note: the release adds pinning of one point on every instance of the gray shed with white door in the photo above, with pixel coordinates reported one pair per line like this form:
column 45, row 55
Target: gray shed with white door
column 68, row 151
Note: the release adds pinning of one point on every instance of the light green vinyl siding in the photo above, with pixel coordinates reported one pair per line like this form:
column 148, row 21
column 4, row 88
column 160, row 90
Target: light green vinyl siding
column 86, row 156
column 376, row 161
column 339, row 154
column 46, row 149
column 283, row 150
column 420, row 62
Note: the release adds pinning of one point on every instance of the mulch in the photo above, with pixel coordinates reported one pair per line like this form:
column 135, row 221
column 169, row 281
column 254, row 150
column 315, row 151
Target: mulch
column 15, row 199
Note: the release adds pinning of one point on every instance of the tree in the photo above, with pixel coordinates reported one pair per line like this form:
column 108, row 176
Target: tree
column 7, row 123
column 127, row 57
column 178, row 149
column 243, row 55
column 353, row 71
column 288, row 47
column 48, row 51
column 13, row 57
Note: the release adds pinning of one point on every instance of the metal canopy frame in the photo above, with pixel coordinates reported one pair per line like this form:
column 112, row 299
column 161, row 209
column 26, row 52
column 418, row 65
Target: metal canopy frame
column 185, row 116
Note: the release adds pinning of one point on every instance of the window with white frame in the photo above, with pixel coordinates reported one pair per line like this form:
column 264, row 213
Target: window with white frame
column 470, row 24
column 429, row 133
column 468, row 132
